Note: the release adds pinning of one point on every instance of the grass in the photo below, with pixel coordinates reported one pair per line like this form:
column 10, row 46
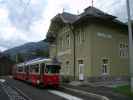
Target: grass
column 126, row 90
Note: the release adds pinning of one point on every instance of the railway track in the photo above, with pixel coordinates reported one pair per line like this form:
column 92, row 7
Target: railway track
column 12, row 92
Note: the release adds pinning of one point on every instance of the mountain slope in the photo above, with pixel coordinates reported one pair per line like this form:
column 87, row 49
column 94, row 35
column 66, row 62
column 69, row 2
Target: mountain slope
column 28, row 50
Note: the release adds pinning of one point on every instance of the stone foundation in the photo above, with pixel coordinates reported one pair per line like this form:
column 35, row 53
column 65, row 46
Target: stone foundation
column 96, row 79
column 66, row 78
column 108, row 78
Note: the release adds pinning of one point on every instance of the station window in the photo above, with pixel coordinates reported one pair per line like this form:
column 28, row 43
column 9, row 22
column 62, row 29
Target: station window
column 60, row 43
column 105, row 66
column 78, row 38
column 104, row 69
column 123, row 49
column 67, row 67
column 68, row 40
column 83, row 36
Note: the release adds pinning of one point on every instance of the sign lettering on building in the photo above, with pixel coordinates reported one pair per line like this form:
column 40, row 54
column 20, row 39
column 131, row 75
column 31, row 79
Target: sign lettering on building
column 104, row 35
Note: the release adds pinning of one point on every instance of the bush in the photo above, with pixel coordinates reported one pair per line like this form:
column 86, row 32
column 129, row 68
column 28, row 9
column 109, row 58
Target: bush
column 125, row 89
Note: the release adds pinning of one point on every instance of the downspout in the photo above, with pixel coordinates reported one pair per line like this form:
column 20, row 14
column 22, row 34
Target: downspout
column 74, row 50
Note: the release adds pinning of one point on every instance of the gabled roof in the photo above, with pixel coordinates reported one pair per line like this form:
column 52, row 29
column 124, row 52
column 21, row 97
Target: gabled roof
column 66, row 17
column 69, row 18
column 92, row 11
column 88, row 14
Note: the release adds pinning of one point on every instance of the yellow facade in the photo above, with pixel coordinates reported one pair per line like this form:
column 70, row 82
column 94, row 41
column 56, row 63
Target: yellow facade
column 100, row 50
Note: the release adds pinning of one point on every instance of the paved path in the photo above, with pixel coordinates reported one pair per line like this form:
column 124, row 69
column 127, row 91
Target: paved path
column 11, row 93
column 47, row 94
column 32, row 92
column 101, row 91
column 3, row 95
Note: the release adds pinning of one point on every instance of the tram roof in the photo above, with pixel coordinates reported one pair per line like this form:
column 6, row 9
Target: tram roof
column 37, row 61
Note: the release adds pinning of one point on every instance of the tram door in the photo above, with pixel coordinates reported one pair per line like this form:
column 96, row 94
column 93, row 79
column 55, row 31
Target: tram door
column 27, row 72
column 42, row 66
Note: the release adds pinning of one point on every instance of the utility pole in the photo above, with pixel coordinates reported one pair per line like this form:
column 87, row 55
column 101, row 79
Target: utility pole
column 130, row 44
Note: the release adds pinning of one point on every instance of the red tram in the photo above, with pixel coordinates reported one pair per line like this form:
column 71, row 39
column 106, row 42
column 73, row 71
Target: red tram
column 38, row 72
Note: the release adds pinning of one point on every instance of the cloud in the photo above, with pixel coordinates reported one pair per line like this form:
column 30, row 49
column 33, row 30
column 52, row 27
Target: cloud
column 9, row 35
column 115, row 7
column 3, row 49
column 17, row 25
column 21, row 19
column 26, row 11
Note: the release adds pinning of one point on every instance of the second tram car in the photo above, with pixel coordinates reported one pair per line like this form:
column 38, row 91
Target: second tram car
column 38, row 72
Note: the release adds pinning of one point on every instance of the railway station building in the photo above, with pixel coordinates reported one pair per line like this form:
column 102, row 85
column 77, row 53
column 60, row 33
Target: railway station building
column 91, row 46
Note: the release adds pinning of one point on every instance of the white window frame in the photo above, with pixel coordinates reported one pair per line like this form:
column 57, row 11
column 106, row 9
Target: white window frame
column 107, row 66
column 68, row 40
column 123, row 51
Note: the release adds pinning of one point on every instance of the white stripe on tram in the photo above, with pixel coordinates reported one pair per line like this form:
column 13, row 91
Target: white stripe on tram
column 64, row 95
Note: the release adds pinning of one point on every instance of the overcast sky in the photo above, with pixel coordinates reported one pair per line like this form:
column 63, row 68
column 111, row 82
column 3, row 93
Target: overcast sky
column 24, row 21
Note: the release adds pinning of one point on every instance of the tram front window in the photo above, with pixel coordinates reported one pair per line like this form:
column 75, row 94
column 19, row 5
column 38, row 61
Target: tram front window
column 52, row 68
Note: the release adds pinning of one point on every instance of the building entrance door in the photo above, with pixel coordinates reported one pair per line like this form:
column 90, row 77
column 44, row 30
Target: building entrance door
column 81, row 72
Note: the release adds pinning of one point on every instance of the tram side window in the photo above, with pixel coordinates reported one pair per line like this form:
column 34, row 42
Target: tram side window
column 30, row 67
column 43, row 64
column 25, row 68
column 35, row 68
column 20, row 69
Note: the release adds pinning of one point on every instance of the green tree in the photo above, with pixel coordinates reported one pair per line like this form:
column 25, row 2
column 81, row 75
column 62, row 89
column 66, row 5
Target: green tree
column 19, row 58
column 42, row 53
